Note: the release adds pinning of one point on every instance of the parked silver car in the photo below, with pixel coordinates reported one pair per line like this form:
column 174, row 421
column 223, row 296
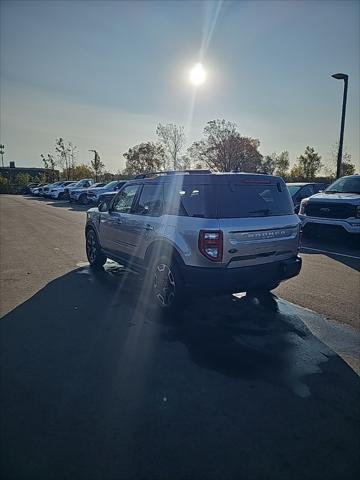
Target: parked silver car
column 61, row 193
column 199, row 231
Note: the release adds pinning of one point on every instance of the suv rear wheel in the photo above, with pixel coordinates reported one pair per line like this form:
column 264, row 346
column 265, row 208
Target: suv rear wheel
column 93, row 251
column 166, row 288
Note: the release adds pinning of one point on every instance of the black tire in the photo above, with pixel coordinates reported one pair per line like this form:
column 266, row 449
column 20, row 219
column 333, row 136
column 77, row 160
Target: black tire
column 93, row 252
column 83, row 199
column 61, row 196
column 165, row 287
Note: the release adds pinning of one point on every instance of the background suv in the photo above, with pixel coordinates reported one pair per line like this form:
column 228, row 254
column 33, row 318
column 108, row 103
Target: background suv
column 338, row 207
column 211, row 232
column 80, row 194
column 94, row 194
column 63, row 191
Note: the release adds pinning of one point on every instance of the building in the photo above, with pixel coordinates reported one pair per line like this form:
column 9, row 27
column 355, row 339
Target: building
column 12, row 171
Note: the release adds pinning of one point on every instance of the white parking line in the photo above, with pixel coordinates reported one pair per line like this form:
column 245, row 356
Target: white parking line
column 331, row 253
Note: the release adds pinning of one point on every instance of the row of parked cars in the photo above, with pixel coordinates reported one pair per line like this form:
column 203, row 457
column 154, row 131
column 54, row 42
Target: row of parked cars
column 84, row 191
column 319, row 205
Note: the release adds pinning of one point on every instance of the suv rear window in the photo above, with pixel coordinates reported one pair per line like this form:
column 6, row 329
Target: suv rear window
column 242, row 201
column 228, row 201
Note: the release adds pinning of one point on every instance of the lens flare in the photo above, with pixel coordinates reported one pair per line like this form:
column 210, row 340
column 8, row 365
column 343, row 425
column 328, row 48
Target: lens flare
column 197, row 74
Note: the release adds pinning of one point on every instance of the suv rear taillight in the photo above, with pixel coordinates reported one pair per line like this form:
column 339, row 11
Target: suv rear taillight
column 211, row 244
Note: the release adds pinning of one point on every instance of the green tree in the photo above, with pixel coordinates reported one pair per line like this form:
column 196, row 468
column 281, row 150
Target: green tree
column 22, row 178
column 67, row 153
column 81, row 171
column 97, row 165
column 5, row 186
column 296, row 174
column 269, row 164
column 347, row 166
column 224, row 149
column 309, row 164
column 172, row 138
column 144, row 158
column 282, row 164
column 50, row 163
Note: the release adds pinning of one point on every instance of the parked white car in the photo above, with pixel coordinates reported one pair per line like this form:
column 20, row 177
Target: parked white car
column 338, row 207
column 64, row 192
column 47, row 188
column 56, row 186
column 58, row 193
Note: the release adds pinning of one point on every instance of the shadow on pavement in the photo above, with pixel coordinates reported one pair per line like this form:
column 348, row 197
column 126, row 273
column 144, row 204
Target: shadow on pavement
column 61, row 203
column 97, row 386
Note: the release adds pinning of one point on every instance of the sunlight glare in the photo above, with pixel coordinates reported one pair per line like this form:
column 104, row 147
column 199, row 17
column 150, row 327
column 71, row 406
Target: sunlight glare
column 197, row 74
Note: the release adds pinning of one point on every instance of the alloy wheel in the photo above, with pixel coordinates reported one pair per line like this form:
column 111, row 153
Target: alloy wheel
column 164, row 285
column 91, row 246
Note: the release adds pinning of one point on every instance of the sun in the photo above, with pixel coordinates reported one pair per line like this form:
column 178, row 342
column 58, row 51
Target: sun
column 197, row 74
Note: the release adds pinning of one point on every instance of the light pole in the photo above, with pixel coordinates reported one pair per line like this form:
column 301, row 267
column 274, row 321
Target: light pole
column 2, row 150
column 341, row 76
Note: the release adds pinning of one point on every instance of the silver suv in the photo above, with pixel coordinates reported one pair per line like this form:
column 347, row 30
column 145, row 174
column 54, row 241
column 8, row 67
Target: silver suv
column 198, row 231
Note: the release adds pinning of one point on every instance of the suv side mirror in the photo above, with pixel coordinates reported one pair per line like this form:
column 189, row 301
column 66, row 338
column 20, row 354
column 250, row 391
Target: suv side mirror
column 103, row 207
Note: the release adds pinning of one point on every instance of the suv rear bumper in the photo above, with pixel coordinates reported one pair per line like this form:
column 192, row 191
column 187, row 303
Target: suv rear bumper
column 231, row 280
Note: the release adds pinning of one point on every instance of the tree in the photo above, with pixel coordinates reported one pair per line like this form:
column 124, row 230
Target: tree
column 347, row 167
column 309, row 164
column 184, row 162
column 144, row 158
column 5, row 186
column 22, row 178
column 173, row 139
column 49, row 162
column 97, row 164
column 296, row 173
column 269, row 164
column 81, row 171
column 66, row 156
column 224, row 149
column 45, row 161
column 282, row 164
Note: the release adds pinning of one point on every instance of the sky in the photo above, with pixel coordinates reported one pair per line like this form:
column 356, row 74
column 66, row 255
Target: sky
column 103, row 74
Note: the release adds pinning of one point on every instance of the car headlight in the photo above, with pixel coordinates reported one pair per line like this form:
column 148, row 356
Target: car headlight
column 303, row 206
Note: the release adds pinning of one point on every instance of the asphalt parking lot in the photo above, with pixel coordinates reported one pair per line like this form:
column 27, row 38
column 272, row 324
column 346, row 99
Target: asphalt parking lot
column 96, row 386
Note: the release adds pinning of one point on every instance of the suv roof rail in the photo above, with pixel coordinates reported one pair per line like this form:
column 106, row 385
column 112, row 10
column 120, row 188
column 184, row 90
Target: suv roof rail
column 173, row 172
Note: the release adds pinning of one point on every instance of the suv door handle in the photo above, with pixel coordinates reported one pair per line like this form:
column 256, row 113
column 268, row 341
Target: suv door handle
column 148, row 227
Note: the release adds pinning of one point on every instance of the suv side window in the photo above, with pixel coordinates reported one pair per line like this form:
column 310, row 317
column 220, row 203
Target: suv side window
column 305, row 192
column 151, row 201
column 125, row 199
column 190, row 200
